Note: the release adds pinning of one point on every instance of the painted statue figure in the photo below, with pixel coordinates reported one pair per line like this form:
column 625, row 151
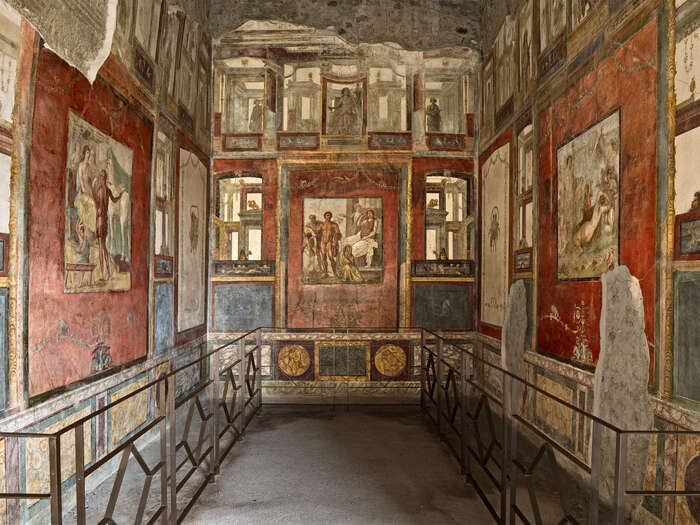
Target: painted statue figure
column 346, row 115
column 434, row 120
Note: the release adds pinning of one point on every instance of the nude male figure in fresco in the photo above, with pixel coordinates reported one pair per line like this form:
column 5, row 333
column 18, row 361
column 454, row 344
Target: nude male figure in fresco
column 330, row 236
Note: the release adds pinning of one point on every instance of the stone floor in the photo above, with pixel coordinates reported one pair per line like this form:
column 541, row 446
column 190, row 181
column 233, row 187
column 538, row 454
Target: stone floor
column 358, row 466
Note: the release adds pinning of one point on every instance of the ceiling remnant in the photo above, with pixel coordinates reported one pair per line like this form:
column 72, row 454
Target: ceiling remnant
column 415, row 25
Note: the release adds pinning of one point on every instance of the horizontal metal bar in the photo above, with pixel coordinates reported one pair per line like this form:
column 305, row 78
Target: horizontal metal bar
column 38, row 435
column 192, row 394
column 92, row 468
column 23, row 495
column 663, row 492
column 560, row 448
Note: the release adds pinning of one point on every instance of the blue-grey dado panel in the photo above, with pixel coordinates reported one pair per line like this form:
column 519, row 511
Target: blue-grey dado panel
column 687, row 335
column 4, row 344
column 442, row 306
column 163, row 318
column 242, row 306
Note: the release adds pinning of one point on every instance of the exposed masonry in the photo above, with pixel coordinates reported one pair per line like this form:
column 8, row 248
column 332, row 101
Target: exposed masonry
column 412, row 24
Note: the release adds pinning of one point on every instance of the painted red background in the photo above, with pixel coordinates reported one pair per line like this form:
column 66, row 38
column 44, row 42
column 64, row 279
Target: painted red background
column 61, row 326
column 630, row 70
column 315, row 305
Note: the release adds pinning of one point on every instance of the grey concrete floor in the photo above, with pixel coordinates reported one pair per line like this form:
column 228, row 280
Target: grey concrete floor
column 316, row 465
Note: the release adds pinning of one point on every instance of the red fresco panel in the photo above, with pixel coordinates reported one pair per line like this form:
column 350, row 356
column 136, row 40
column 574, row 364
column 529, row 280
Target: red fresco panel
column 626, row 80
column 64, row 328
column 324, row 305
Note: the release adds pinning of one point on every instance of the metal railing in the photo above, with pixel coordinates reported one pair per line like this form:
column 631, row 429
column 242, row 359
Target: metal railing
column 224, row 398
column 482, row 422
column 478, row 408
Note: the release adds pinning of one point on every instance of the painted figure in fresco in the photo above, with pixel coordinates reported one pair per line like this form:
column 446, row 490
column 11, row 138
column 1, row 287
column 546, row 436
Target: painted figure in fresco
column 346, row 115
column 194, row 228
column 695, row 205
column 330, row 236
column 102, row 195
column 525, row 59
column 242, row 256
column 347, row 270
column 119, row 212
column 434, row 120
column 366, row 243
column 311, row 253
column 494, row 229
column 255, row 125
column 588, row 228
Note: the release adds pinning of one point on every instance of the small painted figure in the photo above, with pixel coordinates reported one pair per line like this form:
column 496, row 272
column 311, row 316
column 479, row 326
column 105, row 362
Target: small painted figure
column 330, row 236
column 346, row 116
column 366, row 244
column 695, row 205
column 494, row 229
column 101, row 194
column 434, row 120
column 242, row 255
column 255, row 124
column 347, row 270
column 443, row 255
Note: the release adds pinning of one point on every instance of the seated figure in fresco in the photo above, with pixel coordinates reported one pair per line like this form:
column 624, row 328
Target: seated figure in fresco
column 345, row 115
column 433, row 117
column 347, row 270
column 364, row 241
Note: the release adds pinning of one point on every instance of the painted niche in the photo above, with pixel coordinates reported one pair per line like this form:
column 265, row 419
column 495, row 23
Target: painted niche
column 239, row 217
column 448, row 217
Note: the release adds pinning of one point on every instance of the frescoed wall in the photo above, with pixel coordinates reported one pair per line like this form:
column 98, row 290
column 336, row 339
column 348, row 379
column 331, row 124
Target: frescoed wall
column 495, row 230
column 75, row 336
column 348, row 293
column 192, row 238
column 568, row 310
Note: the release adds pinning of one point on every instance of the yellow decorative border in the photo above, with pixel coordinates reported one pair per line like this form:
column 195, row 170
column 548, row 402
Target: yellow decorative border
column 442, row 279
column 260, row 279
column 368, row 363
column 667, row 348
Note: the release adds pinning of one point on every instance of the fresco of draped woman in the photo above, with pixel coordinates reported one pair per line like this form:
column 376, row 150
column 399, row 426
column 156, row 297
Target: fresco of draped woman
column 588, row 179
column 97, row 239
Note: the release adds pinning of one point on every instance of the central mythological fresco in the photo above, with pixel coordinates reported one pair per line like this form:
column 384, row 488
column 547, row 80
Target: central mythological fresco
column 342, row 240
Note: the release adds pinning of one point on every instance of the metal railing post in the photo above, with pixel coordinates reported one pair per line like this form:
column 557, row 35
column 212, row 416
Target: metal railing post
column 258, row 362
column 422, row 369
column 172, row 449
column 241, row 382
column 55, row 479
column 512, row 455
column 79, row 475
column 438, row 381
column 620, row 475
column 505, row 459
column 214, row 407
column 163, row 451
column 464, row 425
column 594, row 498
